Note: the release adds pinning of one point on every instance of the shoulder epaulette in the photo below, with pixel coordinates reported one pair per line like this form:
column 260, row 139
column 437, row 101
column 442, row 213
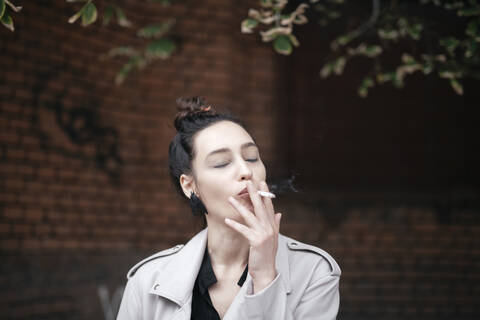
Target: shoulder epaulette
column 157, row 255
column 297, row 245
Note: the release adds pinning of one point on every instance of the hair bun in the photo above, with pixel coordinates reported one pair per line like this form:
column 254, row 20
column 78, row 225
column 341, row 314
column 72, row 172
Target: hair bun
column 189, row 109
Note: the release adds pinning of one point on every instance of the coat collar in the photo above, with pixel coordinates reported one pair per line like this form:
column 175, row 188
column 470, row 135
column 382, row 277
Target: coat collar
column 176, row 280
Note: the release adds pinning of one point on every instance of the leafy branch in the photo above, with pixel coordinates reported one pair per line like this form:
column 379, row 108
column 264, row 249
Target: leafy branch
column 453, row 57
column 159, row 46
column 281, row 24
column 5, row 9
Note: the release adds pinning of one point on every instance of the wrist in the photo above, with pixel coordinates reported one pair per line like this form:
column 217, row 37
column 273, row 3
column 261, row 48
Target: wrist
column 263, row 281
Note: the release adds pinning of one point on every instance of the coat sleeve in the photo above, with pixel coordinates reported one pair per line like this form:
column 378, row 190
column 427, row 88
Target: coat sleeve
column 319, row 301
column 130, row 307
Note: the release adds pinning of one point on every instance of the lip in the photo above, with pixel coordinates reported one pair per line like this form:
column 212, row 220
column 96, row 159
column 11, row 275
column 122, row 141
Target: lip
column 244, row 191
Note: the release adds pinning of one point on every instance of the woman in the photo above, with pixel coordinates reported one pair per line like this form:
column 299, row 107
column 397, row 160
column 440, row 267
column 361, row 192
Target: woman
column 239, row 266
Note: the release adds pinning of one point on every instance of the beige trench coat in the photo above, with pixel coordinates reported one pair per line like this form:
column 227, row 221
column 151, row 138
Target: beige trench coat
column 306, row 287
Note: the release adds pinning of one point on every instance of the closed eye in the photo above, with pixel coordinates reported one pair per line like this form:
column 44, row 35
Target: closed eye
column 225, row 164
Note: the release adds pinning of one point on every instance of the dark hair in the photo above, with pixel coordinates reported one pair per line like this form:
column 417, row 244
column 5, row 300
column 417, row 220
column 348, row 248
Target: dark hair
column 193, row 116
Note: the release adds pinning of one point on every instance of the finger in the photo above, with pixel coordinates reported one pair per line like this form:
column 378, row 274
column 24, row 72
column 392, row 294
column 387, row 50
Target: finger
column 257, row 202
column 267, row 202
column 278, row 217
column 248, row 216
column 240, row 228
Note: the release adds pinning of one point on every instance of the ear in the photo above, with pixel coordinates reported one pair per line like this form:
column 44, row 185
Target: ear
column 188, row 184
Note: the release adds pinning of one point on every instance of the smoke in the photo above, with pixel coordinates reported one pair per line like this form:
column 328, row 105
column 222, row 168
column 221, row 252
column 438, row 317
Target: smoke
column 283, row 185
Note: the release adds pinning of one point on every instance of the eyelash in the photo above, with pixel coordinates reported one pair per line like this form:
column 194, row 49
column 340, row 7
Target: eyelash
column 224, row 165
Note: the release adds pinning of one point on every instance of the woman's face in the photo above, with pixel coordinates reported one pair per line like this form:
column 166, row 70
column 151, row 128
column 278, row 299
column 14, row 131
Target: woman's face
column 226, row 157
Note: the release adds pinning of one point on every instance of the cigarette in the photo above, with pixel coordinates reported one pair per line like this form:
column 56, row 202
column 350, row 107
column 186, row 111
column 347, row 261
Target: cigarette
column 266, row 194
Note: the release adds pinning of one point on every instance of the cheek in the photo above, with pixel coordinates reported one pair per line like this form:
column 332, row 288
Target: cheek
column 261, row 172
column 214, row 189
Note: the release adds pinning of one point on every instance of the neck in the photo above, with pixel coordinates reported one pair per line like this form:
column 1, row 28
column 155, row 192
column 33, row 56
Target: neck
column 226, row 246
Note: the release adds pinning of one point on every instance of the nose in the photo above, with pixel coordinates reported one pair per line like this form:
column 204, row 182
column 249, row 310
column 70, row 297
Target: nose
column 245, row 172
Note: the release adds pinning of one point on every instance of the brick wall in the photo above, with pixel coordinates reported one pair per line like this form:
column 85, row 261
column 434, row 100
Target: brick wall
column 85, row 192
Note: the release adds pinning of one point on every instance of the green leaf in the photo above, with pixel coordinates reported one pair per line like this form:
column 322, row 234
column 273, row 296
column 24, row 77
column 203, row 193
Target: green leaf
column 427, row 67
column 89, row 14
column 362, row 92
column 12, row 6
column 457, row 86
column 126, row 69
column 339, row 65
column 326, row 70
column 334, row 14
column 122, row 51
column 122, row 18
column 155, row 31
column 2, row 8
column 472, row 29
column 77, row 15
column 415, row 31
column 293, row 40
column 367, row 82
column 384, row 77
column 7, row 21
column 340, row 41
column 282, row 45
column 107, row 15
column 449, row 74
column 343, row 40
column 397, row 81
column 408, row 59
column 373, row 51
column 472, row 11
column 162, row 48
column 452, row 6
column 471, row 49
column 248, row 25
column 450, row 43
column 388, row 34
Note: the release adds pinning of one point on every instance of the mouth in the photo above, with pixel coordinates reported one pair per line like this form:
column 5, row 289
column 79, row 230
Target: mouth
column 244, row 191
column 244, row 198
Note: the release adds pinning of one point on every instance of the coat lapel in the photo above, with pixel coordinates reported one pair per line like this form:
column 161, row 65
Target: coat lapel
column 175, row 282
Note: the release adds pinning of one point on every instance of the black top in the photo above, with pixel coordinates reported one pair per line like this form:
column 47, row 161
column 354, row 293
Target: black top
column 202, row 307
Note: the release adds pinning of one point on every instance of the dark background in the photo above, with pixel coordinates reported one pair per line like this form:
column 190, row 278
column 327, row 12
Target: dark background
column 389, row 185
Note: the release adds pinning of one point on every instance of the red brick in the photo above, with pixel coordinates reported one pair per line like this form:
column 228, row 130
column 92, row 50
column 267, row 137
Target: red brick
column 31, row 244
column 33, row 214
column 15, row 154
column 22, row 229
column 13, row 213
column 10, row 138
column 41, row 229
column 4, row 228
column 9, row 244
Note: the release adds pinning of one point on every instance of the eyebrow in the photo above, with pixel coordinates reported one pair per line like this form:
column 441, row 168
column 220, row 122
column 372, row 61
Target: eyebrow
column 243, row 146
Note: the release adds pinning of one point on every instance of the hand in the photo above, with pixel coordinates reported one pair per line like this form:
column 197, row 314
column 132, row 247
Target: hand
column 261, row 230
